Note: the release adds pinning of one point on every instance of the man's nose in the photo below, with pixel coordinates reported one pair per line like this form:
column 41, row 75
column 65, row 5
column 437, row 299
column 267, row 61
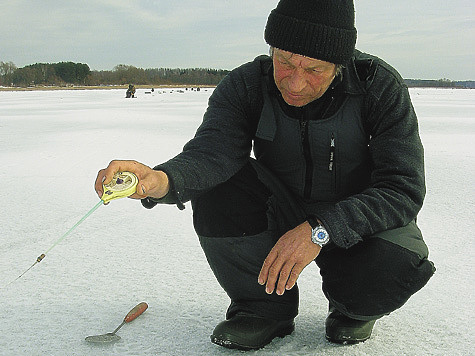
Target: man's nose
column 297, row 81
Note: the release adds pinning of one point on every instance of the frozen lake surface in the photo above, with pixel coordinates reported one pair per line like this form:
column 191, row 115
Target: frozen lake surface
column 52, row 143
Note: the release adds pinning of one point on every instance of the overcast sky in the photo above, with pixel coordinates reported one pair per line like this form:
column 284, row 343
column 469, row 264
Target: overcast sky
column 428, row 39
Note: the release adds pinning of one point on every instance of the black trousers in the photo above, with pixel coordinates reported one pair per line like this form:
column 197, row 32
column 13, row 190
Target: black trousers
column 239, row 221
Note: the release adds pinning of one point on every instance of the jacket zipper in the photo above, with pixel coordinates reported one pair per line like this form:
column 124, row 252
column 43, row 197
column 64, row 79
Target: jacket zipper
column 307, row 192
column 307, row 156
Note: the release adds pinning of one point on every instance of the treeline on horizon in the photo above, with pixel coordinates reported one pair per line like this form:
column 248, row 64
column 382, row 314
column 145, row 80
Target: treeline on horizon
column 69, row 73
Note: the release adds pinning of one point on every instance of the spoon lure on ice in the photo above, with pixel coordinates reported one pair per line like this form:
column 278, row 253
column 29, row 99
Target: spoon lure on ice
column 123, row 184
column 111, row 337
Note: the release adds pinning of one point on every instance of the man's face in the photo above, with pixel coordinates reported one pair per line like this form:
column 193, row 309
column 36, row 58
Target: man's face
column 301, row 79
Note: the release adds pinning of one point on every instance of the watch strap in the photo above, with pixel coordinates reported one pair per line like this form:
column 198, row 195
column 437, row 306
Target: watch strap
column 312, row 220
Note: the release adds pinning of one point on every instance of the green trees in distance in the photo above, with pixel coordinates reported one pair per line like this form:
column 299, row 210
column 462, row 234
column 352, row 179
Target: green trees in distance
column 127, row 74
column 69, row 73
column 6, row 72
column 48, row 74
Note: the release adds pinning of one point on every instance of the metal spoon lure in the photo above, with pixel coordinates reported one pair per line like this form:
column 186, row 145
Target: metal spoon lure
column 112, row 337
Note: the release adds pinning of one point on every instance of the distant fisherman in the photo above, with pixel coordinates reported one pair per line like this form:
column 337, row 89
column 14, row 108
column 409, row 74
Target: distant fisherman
column 130, row 92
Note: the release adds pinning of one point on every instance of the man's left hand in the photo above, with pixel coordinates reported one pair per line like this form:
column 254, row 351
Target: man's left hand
column 287, row 259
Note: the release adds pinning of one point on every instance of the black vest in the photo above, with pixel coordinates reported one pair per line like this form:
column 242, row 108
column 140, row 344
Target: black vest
column 330, row 163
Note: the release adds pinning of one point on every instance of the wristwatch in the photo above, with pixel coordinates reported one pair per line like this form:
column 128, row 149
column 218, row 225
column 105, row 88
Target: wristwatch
column 320, row 235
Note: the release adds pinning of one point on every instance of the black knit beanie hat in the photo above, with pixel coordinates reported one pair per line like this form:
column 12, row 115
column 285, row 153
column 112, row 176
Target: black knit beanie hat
column 320, row 29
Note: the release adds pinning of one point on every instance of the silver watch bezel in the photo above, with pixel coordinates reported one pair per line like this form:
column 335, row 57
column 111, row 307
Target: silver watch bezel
column 316, row 233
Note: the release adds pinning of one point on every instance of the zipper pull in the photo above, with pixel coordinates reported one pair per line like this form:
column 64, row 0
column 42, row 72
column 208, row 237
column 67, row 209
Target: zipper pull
column 332, row 153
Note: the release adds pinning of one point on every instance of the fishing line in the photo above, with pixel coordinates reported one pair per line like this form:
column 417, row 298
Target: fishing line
column 123, row 184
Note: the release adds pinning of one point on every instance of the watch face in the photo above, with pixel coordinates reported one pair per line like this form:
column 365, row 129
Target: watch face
column 320, row 236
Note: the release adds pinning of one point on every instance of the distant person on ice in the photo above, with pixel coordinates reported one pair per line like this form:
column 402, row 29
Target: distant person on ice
column 130, row 92
column 338, row 178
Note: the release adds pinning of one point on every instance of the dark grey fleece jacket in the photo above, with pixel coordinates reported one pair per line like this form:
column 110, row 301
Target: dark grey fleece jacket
column 223, row 143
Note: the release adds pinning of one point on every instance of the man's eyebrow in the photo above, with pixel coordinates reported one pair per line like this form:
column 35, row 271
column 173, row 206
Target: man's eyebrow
column 281, row 56
column 321, row 66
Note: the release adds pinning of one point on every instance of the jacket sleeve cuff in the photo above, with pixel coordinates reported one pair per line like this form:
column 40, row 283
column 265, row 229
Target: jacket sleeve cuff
column 172, row 197
column 339, row 231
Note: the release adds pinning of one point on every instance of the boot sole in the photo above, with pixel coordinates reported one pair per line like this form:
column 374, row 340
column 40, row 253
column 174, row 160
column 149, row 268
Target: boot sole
column 224, row 341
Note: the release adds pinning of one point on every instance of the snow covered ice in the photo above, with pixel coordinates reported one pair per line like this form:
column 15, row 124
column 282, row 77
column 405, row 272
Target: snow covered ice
column 52, row 143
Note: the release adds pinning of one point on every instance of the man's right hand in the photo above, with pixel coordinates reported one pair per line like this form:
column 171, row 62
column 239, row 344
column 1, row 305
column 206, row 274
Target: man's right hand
column 151, row 183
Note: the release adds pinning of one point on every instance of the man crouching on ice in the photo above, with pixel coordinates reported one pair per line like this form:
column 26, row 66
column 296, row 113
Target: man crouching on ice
column 338, row 178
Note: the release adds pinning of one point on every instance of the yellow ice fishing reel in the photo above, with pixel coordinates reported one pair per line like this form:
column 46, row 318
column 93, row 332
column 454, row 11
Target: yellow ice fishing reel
column 122, row 185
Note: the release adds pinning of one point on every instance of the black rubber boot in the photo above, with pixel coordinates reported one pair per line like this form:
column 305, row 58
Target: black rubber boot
column 246, row 331
column 341, row 329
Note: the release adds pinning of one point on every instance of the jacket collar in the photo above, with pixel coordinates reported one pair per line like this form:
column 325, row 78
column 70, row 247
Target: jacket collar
column 351, row 84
